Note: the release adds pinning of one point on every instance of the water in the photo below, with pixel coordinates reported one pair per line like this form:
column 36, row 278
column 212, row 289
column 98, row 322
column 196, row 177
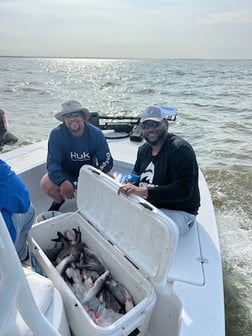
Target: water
column 214, row 101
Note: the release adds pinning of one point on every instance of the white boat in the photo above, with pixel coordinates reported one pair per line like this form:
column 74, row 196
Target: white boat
column 189, row 301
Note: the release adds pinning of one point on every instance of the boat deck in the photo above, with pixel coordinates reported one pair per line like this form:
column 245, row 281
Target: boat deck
column 195, row 275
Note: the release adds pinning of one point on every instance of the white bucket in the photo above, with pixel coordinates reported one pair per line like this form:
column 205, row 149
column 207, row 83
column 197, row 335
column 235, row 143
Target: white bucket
column 46, row 215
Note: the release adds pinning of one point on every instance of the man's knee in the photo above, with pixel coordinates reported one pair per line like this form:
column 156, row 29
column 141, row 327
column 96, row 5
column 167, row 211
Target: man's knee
column 47, row 185
column 43, row 182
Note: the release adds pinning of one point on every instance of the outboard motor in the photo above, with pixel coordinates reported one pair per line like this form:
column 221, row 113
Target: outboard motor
column 6, row 138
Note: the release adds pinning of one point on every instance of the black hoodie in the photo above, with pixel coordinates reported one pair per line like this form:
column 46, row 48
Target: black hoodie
column 171, row 176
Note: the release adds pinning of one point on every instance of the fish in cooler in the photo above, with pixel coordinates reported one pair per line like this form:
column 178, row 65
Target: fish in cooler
column 92, row 283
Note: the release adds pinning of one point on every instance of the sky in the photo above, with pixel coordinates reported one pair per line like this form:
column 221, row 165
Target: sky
column 126, row 28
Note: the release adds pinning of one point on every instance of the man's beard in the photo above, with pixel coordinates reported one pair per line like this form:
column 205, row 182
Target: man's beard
column 160, row 139
column 75, row 129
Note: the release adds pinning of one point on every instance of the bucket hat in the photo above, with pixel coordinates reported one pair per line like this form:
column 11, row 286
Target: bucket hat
column 72, row 106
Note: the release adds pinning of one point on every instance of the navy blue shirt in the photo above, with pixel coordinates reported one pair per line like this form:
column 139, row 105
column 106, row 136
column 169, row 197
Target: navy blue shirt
column 67, row 153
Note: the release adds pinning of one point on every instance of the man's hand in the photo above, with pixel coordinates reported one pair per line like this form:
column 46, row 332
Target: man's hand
column 131, row 189
column 67, row 190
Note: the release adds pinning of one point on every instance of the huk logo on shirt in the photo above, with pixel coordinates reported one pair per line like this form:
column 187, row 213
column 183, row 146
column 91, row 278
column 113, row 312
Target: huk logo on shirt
column 79, row 157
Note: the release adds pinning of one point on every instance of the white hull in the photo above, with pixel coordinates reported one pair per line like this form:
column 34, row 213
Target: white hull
column 191, row 303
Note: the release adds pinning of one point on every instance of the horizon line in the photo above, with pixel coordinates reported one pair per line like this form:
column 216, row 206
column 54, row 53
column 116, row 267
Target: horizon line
column 129, row 58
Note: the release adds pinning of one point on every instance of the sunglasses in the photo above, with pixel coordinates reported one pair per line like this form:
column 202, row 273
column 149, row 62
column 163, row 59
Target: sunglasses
column 150, row 124
column 71, row 115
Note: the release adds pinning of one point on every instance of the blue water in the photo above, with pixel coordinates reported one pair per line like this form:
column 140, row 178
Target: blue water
column 214, row 101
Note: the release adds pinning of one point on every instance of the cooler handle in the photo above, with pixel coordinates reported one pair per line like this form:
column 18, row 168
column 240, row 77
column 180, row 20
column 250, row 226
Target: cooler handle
column 147, row 206
column 135, row 328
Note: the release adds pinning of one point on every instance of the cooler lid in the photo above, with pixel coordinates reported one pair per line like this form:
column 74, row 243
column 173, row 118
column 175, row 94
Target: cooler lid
column 140, row 231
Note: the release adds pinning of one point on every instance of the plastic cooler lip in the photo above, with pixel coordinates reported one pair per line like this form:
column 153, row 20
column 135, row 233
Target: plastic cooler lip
column 139, row 230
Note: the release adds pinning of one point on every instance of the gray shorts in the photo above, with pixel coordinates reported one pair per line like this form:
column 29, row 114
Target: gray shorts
column 183, row 220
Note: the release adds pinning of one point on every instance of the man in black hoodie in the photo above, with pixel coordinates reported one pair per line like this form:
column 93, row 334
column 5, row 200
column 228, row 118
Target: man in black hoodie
column 168, row 171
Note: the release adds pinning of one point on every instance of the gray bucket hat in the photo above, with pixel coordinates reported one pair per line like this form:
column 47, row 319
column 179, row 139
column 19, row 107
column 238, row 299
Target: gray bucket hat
column 72, row 106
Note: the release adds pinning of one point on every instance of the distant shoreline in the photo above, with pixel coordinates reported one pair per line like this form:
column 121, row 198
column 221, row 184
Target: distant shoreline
column 128, row 58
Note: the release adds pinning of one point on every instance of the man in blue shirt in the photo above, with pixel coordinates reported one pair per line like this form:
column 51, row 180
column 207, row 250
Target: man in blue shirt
column 16, row 208
column 71, row 145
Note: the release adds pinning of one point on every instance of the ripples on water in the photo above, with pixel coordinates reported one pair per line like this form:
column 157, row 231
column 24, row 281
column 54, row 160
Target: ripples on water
column 214, row 114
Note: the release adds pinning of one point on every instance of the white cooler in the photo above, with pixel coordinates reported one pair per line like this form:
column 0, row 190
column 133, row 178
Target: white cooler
column 132, row 238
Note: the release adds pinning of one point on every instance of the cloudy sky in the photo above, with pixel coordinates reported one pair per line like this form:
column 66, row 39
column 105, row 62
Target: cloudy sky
column 126, row 28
